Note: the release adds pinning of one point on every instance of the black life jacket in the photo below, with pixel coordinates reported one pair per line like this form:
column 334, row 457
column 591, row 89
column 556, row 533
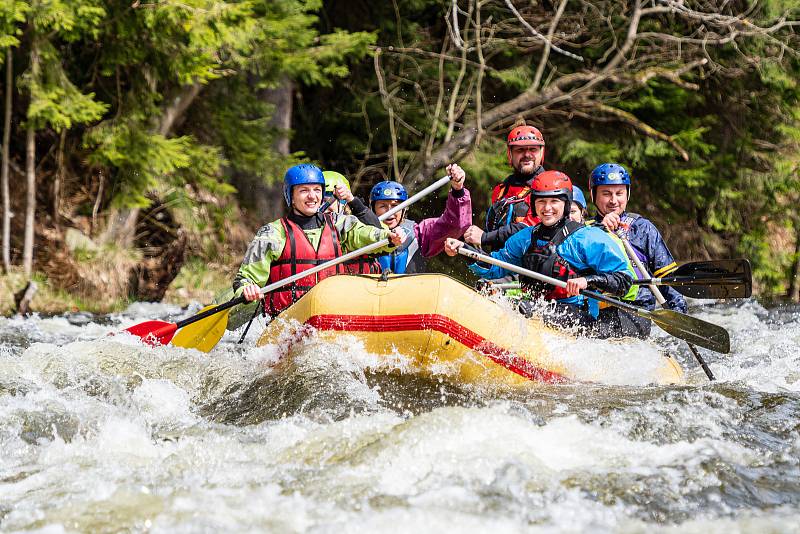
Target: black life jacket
column 544, row 259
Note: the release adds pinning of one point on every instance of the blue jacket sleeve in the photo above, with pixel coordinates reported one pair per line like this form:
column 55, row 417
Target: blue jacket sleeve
column 512, row 252
column 646, row 237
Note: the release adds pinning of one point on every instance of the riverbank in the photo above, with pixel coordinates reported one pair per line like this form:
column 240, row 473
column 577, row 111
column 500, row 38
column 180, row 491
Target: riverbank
column 196, row 282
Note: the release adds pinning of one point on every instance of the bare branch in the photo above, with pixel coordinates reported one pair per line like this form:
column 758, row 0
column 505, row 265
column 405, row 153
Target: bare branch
column 479, row 83
column 546, row 53
column 387, row 104
column 451, row 109
column 539, row 35
column 453, row 26
column 641, row 126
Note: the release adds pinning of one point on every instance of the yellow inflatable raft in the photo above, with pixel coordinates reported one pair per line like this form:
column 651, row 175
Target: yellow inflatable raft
column 446, row 327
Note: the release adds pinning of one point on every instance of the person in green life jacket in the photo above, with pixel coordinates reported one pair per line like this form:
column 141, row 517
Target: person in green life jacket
column 302, row 239
column 425, row 238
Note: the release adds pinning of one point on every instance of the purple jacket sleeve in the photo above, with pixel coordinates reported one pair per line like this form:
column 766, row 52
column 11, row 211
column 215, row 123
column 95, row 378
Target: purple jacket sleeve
column 457, row 217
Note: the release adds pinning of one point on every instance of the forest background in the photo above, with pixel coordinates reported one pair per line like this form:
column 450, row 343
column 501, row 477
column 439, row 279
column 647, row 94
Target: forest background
column 145, row 141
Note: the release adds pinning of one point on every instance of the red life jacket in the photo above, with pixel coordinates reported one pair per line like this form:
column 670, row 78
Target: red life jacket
column 299, row 255
column 544, row 259
column 511, row 204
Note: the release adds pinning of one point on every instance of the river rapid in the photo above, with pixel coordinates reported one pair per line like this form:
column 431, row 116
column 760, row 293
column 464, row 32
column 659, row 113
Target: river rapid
column 101, row 433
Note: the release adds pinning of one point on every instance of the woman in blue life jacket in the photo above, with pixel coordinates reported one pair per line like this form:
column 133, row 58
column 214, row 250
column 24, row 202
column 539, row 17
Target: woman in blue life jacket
column 610, row 187
column 425, row 238
column 582, row 256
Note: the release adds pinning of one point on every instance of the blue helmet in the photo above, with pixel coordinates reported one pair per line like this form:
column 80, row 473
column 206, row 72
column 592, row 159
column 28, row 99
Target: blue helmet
column 577, row 196
column 609, row 174
column 388, row 191
column 305, row 173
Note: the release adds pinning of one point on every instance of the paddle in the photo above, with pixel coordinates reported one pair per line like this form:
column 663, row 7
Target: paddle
column 680, row 325
column 661, row 300
column 719, row 279
column 205, row 335
column 161, row 332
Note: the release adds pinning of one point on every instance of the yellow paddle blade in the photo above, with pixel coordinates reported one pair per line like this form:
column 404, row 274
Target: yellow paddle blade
column 205, row 333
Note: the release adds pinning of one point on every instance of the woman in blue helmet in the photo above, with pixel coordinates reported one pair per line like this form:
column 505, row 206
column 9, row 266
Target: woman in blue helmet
column 610, row 187
column 425, row 238
column 577, row 210
column 300, row 240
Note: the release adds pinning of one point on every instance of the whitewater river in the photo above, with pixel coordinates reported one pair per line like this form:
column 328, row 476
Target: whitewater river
column 103, row 434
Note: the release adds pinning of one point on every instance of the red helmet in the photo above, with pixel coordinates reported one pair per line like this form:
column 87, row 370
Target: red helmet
column 523, row 136
column 552, row 184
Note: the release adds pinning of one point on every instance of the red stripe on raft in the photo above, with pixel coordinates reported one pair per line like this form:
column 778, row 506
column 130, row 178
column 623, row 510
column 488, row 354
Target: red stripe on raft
column 440, row 323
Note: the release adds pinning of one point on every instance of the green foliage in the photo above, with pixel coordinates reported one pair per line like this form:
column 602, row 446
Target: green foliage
column 54, row 99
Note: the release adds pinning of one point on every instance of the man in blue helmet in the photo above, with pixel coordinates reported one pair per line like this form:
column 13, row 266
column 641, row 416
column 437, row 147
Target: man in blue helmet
column 610, row 186
column 425, row 238
column 301, row 240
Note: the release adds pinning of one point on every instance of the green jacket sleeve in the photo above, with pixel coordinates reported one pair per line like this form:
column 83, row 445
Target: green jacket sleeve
column 355, row 234
column 265, row 248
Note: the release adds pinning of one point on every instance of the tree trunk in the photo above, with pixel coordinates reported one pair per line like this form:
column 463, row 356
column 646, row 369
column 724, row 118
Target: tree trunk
column 30, row 207
column 177, row 107
column 794, row 281
column 281, row 98
column 121, row 225
column 5, row 162
column 266, row 197
column 58, row 178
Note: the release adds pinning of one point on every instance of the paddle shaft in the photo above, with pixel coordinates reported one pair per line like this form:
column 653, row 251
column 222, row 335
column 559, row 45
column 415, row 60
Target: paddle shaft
column 425, row 192
column 678, row 324
column 691, row 280
column 477, row 256
column 661, row 300
column 285, row 281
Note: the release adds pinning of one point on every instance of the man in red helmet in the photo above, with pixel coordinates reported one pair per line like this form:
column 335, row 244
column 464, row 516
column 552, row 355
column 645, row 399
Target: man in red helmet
column 510, row 210
column 582, row 256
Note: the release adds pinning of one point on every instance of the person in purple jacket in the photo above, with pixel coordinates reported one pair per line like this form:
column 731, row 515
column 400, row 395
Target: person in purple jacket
column 427, row 237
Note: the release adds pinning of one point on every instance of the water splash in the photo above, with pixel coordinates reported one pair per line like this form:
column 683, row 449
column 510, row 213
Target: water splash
column 103, row 433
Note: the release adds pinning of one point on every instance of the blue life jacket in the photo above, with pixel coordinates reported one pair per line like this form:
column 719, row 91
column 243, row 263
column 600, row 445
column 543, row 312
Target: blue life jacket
column 406, row 258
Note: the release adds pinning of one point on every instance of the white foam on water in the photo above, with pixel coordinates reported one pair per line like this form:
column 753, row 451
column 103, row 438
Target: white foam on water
column 764, row 355
column 111, row 435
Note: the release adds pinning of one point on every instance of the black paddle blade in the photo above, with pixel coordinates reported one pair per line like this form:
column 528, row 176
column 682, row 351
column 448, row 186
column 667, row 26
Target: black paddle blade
column 718, row 279
column 692, row 329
